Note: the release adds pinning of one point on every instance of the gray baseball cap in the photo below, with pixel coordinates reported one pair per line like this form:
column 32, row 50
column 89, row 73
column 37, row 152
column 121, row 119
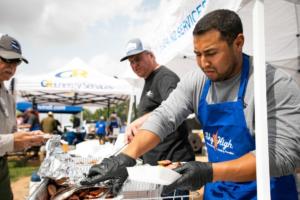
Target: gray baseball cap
column 10, row 48
column 135, row 46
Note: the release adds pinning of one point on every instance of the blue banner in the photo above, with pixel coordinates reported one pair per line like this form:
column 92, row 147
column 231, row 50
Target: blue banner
column 43, row 108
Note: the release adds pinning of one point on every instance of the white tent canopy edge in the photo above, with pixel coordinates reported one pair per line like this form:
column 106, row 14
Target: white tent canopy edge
column 171, row 38
column 75, row 84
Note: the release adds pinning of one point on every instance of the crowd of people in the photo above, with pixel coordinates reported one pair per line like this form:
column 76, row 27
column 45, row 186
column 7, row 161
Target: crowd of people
column 221, row 95
column 105, row 129
column 30, row 120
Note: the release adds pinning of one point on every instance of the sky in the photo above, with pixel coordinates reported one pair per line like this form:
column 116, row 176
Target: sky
column 52, row 33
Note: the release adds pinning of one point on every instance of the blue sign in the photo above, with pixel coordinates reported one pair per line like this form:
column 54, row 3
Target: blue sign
column 43, row 108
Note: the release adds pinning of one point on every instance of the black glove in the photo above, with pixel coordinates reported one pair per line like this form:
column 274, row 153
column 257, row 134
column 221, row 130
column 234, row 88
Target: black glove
column 195, row 174
column 114, row 185
column 113, row 169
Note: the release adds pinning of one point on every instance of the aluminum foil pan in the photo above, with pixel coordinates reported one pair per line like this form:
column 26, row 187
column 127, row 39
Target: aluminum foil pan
column 59, row 165
column 70, row 170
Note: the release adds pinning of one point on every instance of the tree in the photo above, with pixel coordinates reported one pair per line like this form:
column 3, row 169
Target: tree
column 121, row 109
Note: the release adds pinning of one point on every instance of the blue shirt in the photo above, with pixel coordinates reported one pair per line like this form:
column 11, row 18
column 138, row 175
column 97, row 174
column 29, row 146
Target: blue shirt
column 100, row 127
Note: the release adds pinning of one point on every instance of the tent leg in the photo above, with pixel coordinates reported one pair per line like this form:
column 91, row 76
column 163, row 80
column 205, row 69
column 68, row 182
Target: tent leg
column 108, row 109
column 34, row 104
column 261, row 131
column 130, row 109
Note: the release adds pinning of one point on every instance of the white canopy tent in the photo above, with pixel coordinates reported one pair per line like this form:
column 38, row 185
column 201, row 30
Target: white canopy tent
column 74, row 84
column 171, row 38
column 272, row 32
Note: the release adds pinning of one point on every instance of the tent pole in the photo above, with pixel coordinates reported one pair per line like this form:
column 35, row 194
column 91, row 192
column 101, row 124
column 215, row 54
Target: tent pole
column 261, row 123
column 108, row 108
column 81, row 118
column 34, row 104
column 298, row 36
column 134, row 107
column 130, row 108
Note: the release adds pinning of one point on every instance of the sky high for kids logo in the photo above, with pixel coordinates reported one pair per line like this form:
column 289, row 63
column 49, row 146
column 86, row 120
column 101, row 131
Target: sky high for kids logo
column 219, row 143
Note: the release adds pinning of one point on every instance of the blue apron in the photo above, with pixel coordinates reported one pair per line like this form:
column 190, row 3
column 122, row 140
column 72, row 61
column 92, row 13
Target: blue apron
column 227, row 137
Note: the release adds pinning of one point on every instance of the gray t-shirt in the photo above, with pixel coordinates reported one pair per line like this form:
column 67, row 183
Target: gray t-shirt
column 7, row 121
column 283, row 96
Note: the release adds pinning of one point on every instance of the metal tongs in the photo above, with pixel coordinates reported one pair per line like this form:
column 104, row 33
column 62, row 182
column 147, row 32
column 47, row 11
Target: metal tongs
column 123, row 147
column 117, row 151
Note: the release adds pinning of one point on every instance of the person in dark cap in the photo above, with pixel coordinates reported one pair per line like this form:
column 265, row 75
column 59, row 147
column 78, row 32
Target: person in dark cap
column 10, row 139
column 10, row 50
column 159, row 83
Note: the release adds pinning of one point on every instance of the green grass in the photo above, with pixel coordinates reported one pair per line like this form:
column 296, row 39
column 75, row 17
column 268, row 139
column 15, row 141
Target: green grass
column 20, row 168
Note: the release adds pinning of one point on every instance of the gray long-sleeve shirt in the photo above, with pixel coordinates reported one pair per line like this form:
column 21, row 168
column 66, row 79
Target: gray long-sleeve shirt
column 283, row 96
column 7, row 121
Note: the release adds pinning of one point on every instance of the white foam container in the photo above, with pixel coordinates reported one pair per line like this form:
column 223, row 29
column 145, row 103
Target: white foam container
column 152, row 174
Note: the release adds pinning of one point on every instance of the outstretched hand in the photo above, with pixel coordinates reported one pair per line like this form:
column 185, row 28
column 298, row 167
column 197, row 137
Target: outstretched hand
column 24, row 140
column 195, row 174
column 112, row 169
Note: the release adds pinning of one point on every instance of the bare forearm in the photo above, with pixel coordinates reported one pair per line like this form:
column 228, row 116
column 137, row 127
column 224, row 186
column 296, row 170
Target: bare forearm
column 142, row 143
column 238, row 170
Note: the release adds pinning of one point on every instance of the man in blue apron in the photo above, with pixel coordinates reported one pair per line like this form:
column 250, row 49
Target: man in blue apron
column 221, row 95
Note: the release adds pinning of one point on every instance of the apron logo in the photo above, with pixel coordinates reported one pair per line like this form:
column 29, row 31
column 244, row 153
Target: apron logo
column 215, row 140
column 218, row 142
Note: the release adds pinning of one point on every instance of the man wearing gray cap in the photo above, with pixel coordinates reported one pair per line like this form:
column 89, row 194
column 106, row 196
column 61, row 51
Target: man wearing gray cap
column 10, row 140
column 159, row 83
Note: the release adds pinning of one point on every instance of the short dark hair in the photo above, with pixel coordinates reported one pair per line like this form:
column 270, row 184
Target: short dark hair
column 227, row 22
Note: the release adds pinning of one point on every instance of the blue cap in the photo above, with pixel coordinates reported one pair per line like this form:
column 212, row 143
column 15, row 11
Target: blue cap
column 35, row 177
column 135, row 46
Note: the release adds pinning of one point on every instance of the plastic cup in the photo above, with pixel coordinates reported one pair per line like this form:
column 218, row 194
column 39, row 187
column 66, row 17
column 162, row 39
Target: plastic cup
column 64, row 146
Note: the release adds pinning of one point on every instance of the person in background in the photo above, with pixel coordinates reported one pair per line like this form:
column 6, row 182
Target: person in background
column 222, row 96
column 76, row 123
column 101, row 129
column 32, row 120
column 159, row 83
column 11, row 140
column 20, row 119
column 57, row 129
column 113, row 122
column 48, row 124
